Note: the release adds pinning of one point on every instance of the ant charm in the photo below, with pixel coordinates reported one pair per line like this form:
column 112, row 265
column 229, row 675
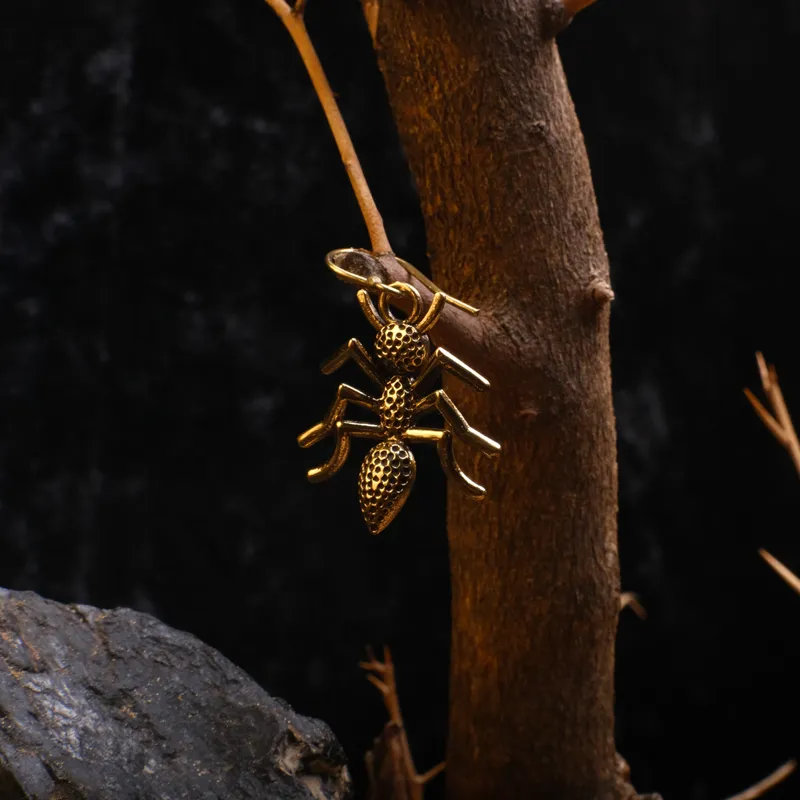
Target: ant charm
column 403, row 366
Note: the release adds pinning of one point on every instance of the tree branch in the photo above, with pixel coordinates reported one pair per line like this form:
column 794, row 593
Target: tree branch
column 511, row 222
column 292, row 18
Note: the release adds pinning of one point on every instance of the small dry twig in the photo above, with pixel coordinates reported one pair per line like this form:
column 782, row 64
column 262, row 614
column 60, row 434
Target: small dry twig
column 390, row 766
column 779, row 422
column 292, row 18
column 762, row 787
column 781, row 569
column 629, row 599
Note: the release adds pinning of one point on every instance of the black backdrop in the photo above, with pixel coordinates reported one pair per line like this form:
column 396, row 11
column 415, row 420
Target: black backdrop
column 168, row 189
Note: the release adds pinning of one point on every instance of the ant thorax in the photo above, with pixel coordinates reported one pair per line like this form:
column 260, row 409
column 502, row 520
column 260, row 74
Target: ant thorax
column 401, row 347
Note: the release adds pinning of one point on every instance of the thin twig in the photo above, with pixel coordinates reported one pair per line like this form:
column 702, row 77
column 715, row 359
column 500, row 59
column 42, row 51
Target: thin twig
column 782, row 570
column 762, row 787
column 779, row 422
column 428, row 776
column 387, row 686
column 292, row 18
column 402, row 767
column 771, row 423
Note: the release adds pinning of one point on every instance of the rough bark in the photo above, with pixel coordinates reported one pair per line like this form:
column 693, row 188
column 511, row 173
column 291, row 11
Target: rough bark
column 483, row 110
column 114, row 705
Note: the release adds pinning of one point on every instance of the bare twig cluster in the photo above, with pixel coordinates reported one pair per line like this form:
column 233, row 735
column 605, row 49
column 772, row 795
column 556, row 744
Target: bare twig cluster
column 390, row 766
column 779, row 423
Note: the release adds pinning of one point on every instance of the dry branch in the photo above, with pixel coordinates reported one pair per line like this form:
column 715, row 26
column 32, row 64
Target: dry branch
column 292, row 18
column 779, row 422
column 390, row 766
column 629, row 599
column 762, row 787
column 782, row 570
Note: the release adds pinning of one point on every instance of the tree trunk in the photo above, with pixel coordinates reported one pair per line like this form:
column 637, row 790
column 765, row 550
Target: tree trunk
column 490, row 132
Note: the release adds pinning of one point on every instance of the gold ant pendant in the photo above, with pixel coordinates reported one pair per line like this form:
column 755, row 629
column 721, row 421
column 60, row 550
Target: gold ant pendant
column 403, row 366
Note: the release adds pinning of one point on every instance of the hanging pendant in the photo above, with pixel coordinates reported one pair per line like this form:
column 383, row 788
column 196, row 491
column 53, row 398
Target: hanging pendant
column 403, row 366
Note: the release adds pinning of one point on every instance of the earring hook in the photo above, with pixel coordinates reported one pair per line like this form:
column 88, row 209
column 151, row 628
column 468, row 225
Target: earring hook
column 367, row 278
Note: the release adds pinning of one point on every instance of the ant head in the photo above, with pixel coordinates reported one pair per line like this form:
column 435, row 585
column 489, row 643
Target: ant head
column 400, row 345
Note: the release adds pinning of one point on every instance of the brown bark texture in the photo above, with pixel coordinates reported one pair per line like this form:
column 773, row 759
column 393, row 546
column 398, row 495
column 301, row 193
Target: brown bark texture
column 490, row 132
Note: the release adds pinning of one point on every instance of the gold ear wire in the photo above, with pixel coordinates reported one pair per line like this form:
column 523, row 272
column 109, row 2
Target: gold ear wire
column 373, row 275
column 429, row 284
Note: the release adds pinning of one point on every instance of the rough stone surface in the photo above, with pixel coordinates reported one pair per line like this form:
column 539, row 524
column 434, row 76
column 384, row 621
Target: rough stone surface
column 114, row 704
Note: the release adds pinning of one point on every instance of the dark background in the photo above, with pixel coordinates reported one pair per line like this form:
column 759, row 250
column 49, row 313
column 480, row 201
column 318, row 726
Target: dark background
column 168, row 190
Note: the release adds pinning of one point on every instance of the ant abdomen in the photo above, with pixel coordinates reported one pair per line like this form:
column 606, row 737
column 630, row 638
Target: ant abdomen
column 384, row 482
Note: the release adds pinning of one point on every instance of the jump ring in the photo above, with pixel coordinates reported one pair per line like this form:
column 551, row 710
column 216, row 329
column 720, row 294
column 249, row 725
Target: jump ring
column 402, row 288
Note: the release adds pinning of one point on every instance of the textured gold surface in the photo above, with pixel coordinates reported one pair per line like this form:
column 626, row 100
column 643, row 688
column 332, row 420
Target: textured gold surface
column 397, row 405
column 403, row 363
column 401, row 347
column 384, row 482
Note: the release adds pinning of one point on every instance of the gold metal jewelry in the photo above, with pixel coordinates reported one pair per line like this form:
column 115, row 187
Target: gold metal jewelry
column 403, row 366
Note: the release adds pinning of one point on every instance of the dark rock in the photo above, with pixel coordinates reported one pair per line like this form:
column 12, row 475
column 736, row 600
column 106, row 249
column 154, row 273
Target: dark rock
column 114, row 704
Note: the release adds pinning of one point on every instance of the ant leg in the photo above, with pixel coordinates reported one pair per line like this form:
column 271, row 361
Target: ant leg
column 444, row 445
column 345, row 394
column 444, row 359
column 344, row 430
column 372, row 314
column 432, row 314
column 354, row 351
column 441, row 402
column 428, row 776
